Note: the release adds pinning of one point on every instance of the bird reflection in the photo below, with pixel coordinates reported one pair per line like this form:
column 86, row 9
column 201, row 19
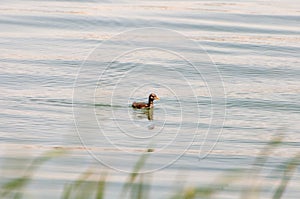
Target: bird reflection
column 143, row 114
column 149, row 113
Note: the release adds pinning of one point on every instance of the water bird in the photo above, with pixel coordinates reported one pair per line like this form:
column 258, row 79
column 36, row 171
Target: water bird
column 141, row 105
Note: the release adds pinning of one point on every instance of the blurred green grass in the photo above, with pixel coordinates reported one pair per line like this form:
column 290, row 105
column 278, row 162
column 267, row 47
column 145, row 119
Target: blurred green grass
column 137, row 185
column 14, row 188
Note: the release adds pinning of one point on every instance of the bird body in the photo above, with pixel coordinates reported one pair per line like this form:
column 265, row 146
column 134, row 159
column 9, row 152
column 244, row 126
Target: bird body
column 141, row 105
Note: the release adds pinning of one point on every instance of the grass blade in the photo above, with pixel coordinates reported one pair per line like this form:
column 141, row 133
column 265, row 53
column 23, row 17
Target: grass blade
column 14, row 187
column 140, row 163
column 101, row 186
column 290, row 168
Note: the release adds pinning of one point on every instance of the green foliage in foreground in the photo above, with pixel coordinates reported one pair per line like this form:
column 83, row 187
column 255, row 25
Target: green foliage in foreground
column 85, row 187
column 14, row 188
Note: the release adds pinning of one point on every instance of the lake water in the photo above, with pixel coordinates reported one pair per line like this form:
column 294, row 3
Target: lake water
column 227, row 74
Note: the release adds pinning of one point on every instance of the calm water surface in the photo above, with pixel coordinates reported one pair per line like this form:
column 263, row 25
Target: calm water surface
column 54, row 75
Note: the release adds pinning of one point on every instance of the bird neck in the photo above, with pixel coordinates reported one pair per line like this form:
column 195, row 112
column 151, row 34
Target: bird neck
column 150, row 102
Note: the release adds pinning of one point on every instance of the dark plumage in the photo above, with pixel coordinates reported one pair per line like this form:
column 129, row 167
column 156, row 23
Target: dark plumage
column 140, row 105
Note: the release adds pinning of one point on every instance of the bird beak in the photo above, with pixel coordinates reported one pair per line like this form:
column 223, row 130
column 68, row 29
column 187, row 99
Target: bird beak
column 157, row 98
